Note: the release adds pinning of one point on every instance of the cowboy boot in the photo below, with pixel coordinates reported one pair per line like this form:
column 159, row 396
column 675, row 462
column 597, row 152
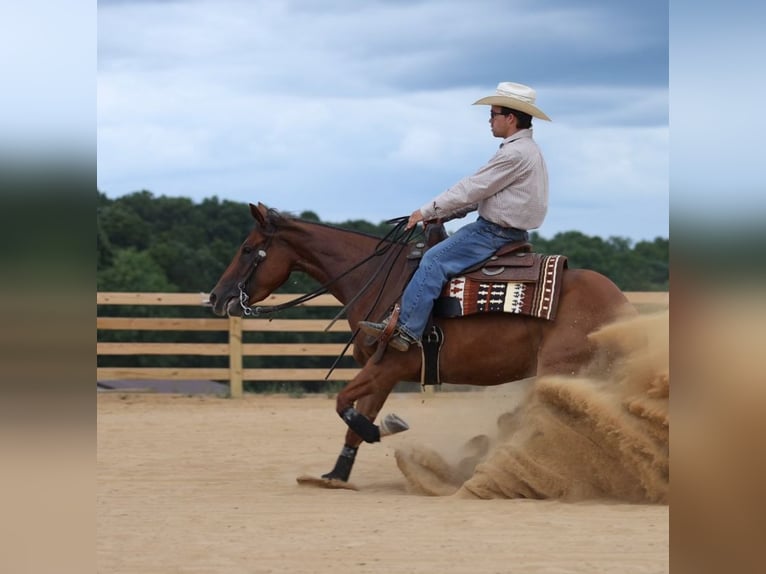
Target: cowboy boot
column 399, row 340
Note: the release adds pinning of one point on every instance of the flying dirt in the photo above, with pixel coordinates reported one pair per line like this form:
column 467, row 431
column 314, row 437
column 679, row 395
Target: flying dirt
column 599, row 436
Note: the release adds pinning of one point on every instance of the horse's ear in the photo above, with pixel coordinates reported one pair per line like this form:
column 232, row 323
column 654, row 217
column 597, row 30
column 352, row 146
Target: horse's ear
column 259, row 213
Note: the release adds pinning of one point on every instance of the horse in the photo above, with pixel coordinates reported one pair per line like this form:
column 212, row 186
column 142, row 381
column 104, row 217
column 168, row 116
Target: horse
column 367, row 275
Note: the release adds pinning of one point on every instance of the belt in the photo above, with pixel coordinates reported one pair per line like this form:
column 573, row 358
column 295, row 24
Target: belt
column 502, row 226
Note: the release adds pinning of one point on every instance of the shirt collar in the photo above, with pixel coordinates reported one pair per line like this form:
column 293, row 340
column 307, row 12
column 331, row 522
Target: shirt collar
column 525, row 133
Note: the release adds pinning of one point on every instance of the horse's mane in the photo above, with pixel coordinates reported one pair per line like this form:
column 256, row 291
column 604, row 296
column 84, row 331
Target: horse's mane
column 277, row 218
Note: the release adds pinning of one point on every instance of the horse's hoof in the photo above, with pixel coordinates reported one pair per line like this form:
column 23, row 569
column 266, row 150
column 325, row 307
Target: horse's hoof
column 392, row 424
column 325, row 481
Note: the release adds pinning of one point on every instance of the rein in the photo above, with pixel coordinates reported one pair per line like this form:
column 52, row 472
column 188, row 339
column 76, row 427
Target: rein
column 397, row 236
column 394, row 237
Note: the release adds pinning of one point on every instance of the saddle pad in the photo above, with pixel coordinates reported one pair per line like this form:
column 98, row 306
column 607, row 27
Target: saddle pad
column 466, row 296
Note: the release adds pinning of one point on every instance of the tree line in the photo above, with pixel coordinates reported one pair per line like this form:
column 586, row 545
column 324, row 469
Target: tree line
column 147, row 243
column 172, row 244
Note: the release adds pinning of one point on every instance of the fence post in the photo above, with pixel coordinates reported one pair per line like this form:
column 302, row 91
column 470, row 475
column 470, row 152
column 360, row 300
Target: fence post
column 235, row 357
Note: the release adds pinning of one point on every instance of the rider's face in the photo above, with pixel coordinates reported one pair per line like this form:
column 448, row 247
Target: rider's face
column 500, row 123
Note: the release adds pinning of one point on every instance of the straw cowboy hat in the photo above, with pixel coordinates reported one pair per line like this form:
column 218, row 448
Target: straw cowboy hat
column 515, row 96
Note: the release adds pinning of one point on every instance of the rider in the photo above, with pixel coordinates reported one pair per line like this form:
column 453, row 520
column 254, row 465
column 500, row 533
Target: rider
column 511, row 195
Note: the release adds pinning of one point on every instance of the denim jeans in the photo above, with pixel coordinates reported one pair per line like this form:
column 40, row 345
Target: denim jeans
column 471, row 244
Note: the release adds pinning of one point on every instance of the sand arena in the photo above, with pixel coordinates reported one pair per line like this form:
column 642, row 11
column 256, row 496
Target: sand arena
column 204, row 484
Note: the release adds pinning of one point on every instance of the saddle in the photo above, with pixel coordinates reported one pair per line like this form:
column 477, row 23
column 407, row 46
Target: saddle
column 514, row 280
column 512, row 262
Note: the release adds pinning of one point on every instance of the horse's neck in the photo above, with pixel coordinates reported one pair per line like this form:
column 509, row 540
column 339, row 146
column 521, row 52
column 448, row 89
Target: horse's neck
column 328, row 255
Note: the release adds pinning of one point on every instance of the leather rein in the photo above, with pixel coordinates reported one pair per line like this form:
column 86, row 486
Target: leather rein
column 397, row 236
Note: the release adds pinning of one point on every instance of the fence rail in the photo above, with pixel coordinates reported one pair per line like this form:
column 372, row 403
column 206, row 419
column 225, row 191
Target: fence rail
column 235, row 349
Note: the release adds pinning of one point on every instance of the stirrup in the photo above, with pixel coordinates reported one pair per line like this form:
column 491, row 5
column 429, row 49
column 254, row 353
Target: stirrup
column 386, row 335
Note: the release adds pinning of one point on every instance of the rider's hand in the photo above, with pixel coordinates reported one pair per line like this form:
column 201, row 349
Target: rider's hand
column 415, row 218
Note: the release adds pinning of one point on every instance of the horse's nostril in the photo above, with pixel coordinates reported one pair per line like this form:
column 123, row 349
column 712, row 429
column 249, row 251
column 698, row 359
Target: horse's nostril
column 212, row 298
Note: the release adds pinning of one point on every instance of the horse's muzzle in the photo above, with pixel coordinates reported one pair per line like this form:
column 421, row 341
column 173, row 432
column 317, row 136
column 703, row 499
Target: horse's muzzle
column 225, row 306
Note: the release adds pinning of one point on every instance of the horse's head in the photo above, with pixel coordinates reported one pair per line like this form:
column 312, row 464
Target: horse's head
column 260, row 265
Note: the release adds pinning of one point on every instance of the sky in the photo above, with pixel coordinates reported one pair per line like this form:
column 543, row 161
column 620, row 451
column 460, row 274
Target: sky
column 362, row 110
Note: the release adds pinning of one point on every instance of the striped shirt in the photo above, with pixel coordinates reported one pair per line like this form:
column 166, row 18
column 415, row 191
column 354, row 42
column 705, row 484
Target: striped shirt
column 511, row 190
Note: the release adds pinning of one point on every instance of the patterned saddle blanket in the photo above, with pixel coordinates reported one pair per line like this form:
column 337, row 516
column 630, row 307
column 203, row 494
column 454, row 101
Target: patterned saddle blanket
column 520, row 283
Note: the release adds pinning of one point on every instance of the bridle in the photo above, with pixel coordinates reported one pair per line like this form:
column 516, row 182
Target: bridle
column 243, row 296
column 397, row 236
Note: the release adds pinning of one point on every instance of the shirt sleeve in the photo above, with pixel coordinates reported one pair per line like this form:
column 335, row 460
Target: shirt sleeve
column 464, row 196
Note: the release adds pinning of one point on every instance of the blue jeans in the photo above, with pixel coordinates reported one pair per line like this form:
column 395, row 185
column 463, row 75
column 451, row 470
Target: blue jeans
column 471, row 244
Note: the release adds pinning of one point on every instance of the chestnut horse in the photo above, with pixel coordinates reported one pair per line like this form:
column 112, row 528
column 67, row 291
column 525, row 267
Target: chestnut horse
column 367, row 275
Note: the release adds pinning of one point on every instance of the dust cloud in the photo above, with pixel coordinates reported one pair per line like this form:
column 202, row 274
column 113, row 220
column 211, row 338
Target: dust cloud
column 570, row 438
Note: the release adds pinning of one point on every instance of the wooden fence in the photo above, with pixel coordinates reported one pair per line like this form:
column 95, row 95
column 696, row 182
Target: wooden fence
column 235, row 349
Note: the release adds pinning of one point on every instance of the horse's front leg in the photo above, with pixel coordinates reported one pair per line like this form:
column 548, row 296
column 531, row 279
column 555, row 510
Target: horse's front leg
column 376, row 382
column 369, row 407
column 371, row 395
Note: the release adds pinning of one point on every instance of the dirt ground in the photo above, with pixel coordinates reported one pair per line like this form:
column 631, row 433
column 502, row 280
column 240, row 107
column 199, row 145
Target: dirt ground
column 200, row 484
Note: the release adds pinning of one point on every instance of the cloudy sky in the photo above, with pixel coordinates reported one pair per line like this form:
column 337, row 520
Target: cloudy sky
column 362, row 110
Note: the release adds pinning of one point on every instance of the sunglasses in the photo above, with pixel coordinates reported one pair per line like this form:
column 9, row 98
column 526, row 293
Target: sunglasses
column 493, row 114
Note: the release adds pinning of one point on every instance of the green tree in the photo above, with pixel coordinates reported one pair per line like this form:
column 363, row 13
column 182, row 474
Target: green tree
column 133, row 270
column 640, row 268
column 309, row 216
column 124, row 227
column 104, row 253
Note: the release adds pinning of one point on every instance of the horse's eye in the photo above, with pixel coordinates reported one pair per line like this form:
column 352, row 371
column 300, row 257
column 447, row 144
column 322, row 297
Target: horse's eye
column 246, row 249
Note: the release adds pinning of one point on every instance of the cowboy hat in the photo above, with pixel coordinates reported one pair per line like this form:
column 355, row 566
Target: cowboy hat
column 515, row 96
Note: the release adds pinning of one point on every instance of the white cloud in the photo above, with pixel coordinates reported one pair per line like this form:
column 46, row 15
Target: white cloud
column 363, row 111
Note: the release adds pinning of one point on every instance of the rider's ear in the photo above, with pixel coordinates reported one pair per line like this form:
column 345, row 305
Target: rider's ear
column 259, row 213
